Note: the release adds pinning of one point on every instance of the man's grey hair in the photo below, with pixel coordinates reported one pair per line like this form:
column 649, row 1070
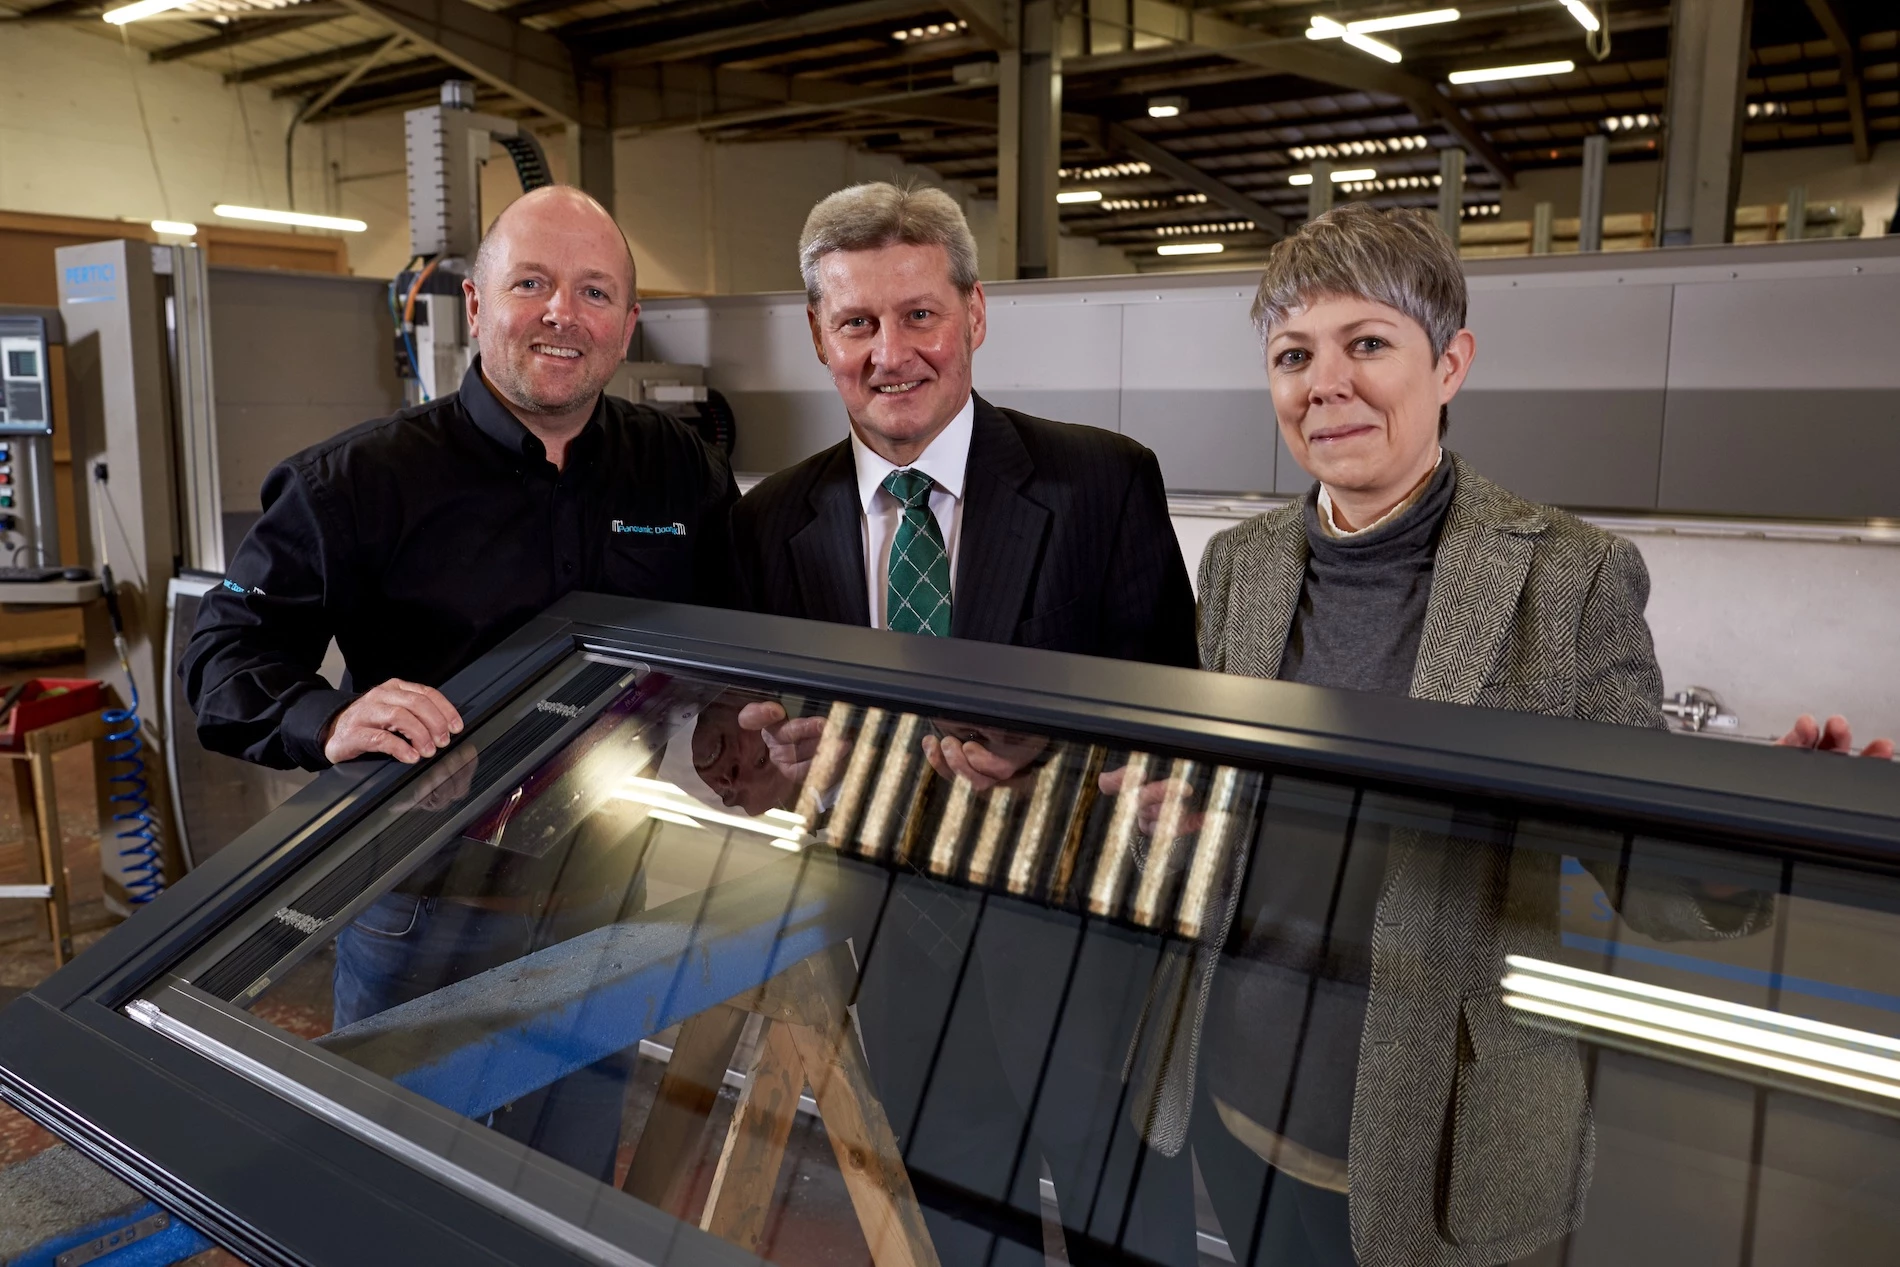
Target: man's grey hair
column 867, row 217
column 1399, row 258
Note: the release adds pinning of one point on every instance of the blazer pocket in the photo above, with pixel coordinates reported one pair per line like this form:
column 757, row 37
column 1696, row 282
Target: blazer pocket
column 1522, row 1142
column 1051, row 629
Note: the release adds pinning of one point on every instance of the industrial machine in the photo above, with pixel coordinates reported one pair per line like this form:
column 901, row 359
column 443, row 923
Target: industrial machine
column 1699, row 927
column 446, row 146
column 29, row 516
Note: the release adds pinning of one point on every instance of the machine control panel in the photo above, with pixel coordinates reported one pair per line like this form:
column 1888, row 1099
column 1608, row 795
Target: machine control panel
column 26, row 397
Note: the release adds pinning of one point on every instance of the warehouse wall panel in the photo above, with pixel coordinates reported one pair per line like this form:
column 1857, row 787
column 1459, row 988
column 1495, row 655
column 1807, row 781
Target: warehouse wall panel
column 1567, row 448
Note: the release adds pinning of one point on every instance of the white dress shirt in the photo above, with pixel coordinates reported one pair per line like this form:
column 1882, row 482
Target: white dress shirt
column 944, row 461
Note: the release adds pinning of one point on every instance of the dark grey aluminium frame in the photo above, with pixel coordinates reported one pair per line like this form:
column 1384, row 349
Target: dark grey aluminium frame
column 192, row 1132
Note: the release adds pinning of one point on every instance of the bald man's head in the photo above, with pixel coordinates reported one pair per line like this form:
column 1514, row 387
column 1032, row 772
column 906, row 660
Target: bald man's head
column 551, row 304
column 557, row 208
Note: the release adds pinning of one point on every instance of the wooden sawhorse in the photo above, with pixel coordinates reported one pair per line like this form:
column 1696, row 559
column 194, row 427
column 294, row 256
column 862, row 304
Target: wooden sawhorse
column 808, row 1038
column 39, row 816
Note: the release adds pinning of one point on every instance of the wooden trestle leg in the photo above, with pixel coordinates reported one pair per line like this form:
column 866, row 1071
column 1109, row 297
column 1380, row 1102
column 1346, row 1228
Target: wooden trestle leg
column 809, row 1039
column 662, row 1168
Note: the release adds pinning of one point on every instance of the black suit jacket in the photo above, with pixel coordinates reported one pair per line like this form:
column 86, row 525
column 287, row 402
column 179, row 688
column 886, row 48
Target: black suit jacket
column 1066, row 543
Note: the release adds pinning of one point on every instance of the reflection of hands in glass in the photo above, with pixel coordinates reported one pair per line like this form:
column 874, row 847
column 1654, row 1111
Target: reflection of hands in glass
column 1835, row 736
column 981, row 756
column 1154, row 795
column 789, row 742
column 443, row 784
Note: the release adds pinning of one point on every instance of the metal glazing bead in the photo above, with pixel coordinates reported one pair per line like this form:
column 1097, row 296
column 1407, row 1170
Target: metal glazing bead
column 1166, row 843
column 1211, row 850
column 958, row 809
column 893, row 780
column 989, row 836
column 1118, row 845
column 1080, row 802
column 865, row 751
column 827, row 763
column 1029, row 841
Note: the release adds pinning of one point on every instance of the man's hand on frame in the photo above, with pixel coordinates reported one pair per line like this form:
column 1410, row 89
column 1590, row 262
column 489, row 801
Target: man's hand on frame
column 399, row 719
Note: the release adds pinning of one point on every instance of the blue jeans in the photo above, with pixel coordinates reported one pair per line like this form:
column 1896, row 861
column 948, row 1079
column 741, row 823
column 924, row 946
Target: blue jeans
column 403, row 947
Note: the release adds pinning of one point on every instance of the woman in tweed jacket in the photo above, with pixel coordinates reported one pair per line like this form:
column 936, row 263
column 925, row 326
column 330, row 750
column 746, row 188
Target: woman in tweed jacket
column 1466, row 1136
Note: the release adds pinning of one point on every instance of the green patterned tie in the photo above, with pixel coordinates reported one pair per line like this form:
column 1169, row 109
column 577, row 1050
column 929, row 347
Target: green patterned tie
column 917, row 595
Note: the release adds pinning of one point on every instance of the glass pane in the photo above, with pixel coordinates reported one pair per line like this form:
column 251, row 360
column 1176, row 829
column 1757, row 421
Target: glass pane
column 833, row 981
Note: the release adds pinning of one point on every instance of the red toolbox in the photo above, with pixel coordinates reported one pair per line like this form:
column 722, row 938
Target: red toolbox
column 47, row 700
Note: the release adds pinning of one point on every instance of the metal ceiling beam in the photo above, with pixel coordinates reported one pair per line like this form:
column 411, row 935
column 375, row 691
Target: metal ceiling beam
column 417, row 83
column 297, row 65
column 1311, row 61
column 531, row 66
column 389, row 80
column 986, row 21
column 672, row 98
column 679, row 18
column 1828, row 14
column 662, row 99
column 247, row 31
column 57, row 10
column 706, row 43
column 1120, row 136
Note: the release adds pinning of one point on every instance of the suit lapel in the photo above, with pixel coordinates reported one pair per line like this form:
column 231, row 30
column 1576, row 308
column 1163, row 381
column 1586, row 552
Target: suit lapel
column 1003, row 532
column 1270, row 570
column 1477, row 577
column 828, row 552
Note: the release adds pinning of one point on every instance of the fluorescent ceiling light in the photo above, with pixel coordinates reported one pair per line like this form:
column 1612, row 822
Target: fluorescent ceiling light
column 1581, row 12
column 1354, row 34
column 1079, row 195
column 1339, row 177
column 1190, row 248
column 1787, row 1044
column 668, row 803
column 1527, row 71
column 1166, row 107
column 1399, row 21
column 1366, row 44
column 298, row 218
column 143, row 9
column 178, row 228
column 668, row 816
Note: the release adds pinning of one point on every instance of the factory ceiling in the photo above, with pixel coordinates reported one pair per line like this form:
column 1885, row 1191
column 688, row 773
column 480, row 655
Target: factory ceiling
column 1255, row 99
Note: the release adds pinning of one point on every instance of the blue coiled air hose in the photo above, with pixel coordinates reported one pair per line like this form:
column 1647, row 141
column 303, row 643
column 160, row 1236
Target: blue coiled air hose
column 142, row 865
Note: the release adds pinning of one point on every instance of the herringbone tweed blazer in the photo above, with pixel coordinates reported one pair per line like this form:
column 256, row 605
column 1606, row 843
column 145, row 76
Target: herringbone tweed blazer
column 1471, row 1138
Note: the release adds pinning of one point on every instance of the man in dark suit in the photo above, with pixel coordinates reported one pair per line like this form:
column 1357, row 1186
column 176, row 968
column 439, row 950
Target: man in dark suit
column 941, row 514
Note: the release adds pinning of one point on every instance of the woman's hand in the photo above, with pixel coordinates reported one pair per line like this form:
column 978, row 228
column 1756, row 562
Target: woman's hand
column 1835, row 736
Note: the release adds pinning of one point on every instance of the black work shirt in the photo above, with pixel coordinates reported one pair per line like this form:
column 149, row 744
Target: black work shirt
column 421, row 541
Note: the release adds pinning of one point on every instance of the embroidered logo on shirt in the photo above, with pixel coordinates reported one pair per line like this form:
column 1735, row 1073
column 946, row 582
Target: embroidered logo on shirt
column 651, row 530
column 235, row 588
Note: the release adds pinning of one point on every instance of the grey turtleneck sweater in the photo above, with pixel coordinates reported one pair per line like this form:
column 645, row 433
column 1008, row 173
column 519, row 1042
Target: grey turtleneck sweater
column 1362, row 607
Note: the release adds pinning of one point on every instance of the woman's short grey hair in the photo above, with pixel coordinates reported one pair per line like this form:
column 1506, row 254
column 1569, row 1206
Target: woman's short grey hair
column 867, row 217
column 1399, row 258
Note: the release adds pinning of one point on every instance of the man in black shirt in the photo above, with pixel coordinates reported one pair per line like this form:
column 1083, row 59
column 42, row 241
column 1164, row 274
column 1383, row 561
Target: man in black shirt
column 421, row 541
